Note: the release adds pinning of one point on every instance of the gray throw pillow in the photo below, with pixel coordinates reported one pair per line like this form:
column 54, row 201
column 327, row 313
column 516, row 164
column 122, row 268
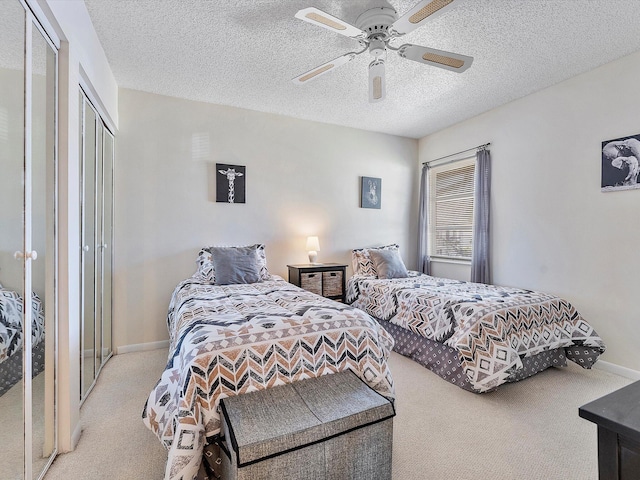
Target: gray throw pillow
column 388, row 263
column 235, row 265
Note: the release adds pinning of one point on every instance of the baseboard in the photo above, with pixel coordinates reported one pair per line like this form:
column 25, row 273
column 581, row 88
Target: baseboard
column 141, row 347
column 617, row 369
column 75, row 436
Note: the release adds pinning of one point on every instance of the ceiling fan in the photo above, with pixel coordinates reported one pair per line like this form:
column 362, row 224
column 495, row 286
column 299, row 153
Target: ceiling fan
column 374, row 30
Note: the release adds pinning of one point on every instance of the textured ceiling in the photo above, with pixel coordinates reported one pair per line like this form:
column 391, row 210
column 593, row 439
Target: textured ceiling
column 244, row 53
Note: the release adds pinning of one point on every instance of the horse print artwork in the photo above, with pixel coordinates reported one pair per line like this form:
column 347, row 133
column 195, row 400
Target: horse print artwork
column 621, row 163
column 230, row 183
column 371, row 191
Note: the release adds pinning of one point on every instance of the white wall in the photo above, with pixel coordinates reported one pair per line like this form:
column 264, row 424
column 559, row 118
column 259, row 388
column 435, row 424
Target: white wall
column 302, row 179
column 552, row 227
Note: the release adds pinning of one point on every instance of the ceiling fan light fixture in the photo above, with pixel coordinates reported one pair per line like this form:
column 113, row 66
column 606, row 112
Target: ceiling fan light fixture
column 428, row 10
column 374, row 29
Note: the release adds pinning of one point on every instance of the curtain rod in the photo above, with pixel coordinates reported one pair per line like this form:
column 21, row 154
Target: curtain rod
column 458, row 153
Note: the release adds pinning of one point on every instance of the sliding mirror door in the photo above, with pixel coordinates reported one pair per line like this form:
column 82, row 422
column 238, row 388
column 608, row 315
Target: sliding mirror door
column 88, row 206
column 107, row 242
column 28, row 96
column 43, row 199
column 97, row 146
column 12, row 137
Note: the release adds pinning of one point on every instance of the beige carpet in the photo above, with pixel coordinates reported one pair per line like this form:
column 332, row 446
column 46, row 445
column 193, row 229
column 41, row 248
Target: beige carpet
column 11, row 433
column 114, row 443
column 528, row 430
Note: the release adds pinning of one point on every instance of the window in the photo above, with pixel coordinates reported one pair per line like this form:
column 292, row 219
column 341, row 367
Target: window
column 451, row 210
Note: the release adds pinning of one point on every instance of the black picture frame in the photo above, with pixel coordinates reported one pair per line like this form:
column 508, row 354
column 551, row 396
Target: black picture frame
column 620, row 163
column 371, row 192
column 231, row 183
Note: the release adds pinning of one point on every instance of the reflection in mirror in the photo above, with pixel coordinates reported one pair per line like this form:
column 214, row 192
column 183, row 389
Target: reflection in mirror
column 43, row 89
column 12, row 32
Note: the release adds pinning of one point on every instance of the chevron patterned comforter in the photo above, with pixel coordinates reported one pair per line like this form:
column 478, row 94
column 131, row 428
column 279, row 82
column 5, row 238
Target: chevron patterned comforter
column 492, row 328
column 228, row 340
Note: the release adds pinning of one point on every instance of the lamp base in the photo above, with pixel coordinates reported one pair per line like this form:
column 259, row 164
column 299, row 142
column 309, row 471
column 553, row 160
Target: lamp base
column 313, row 255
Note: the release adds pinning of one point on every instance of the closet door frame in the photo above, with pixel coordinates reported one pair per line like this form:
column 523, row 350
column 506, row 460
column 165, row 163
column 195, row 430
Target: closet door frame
column 28, row 255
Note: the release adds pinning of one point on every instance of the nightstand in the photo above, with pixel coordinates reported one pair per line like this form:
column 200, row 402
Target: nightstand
column 326, row 279
column 618, row 418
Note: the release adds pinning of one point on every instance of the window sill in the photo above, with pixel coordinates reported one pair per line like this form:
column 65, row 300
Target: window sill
column 451, row 261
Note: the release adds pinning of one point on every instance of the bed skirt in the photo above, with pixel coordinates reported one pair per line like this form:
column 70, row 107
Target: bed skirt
column 11, row 368
column 444, row 362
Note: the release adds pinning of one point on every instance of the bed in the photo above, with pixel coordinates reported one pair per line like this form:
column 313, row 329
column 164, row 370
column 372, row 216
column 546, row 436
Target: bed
column 255, row 333
column 11, row 337
column 474, row 335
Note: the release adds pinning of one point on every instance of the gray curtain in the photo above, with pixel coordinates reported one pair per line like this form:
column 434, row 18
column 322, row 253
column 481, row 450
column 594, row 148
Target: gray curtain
column 424, row 262
column 480, row 259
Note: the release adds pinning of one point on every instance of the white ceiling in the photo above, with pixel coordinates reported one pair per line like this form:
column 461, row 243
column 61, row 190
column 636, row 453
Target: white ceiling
column 244, row 53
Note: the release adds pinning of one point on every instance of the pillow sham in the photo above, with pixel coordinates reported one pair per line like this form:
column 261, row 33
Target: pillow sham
column 362, row 264
column 206, row 270
column 233, row 265
column 388, row 264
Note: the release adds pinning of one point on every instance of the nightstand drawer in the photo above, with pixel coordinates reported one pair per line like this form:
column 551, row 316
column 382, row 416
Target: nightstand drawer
column 311, row 282
column 331, row 284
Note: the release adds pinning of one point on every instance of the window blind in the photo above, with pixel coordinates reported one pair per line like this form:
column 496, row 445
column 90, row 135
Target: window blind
column 451, row 210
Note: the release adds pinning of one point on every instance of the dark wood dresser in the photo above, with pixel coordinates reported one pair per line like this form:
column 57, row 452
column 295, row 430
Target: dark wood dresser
column 618, row 418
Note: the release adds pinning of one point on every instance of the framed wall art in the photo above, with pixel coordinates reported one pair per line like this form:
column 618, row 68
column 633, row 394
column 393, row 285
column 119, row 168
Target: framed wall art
column 620, row 163
column 371, row 192
column 230, row 183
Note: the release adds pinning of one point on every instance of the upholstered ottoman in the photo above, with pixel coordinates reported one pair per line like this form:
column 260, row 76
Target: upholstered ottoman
column 331, row 427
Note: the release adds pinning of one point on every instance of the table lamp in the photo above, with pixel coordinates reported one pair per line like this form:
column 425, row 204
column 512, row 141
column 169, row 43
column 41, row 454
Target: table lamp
column 313, row 245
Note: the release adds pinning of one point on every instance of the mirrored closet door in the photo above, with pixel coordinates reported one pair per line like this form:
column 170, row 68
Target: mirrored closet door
column 97, row 147
column 28, row 92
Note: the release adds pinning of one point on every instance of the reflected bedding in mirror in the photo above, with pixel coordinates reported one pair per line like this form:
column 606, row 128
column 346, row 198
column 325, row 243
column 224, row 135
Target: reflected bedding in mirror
column 11, row 337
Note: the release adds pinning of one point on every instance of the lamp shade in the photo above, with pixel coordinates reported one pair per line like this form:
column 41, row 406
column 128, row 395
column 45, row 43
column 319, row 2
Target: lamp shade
column 313, row 243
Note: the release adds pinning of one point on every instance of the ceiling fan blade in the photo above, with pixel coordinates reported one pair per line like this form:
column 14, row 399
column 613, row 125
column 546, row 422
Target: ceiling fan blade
column 324, row 68
column 420, row 14
column 377, row 82
column 437, row 58
column 324, row 20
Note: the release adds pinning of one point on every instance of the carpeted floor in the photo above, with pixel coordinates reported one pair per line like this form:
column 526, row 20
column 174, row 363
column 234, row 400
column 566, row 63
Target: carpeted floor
column 11, row 433
column 528, row 430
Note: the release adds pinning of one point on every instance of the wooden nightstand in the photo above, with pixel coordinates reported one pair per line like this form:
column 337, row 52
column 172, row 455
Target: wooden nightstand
column 326, row 279
column 618, row 418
